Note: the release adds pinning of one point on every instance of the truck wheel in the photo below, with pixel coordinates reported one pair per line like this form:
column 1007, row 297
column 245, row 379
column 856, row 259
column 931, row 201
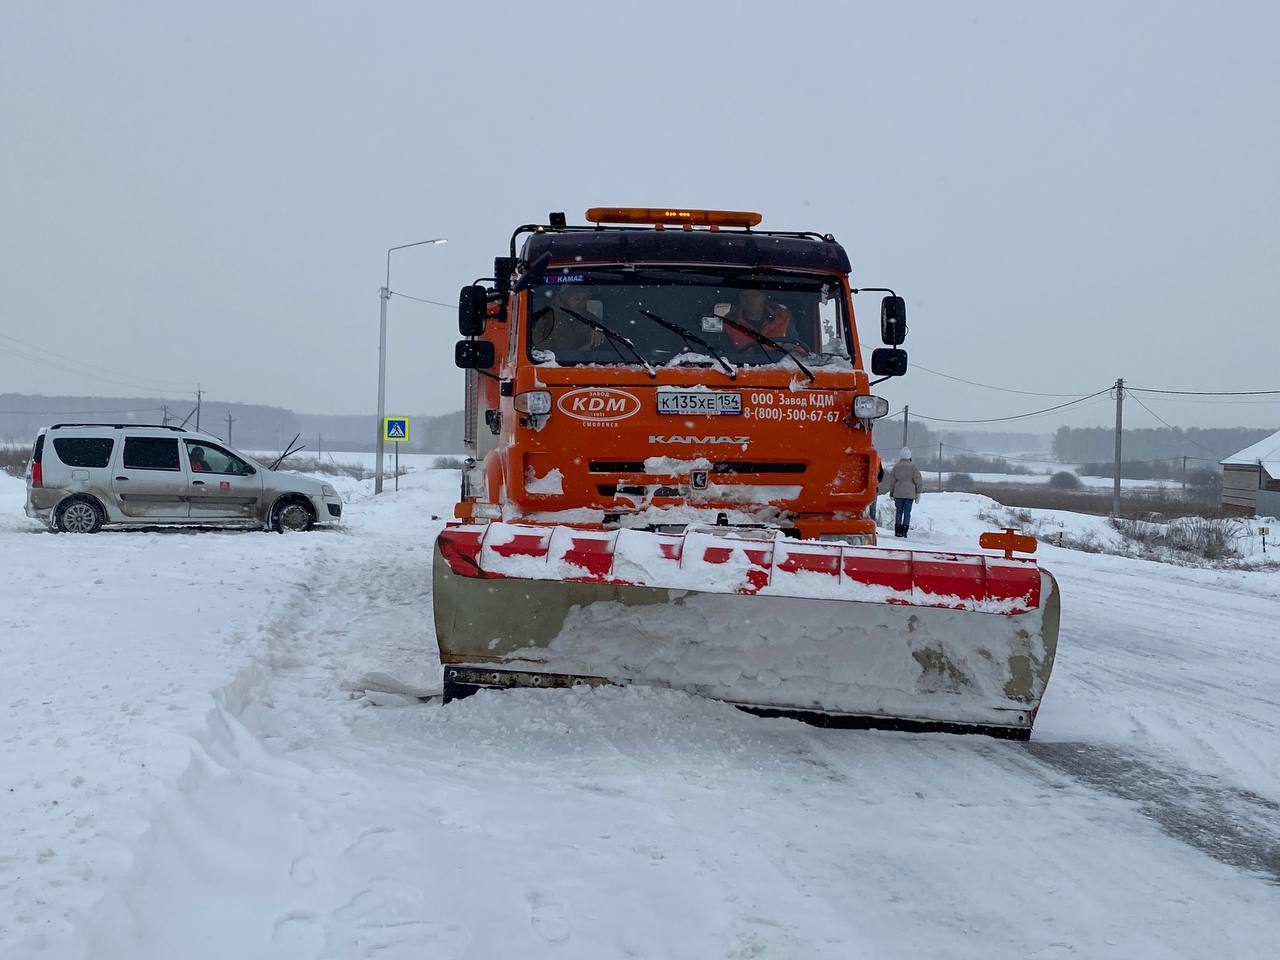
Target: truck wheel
column 79, row 515
column 292, row 516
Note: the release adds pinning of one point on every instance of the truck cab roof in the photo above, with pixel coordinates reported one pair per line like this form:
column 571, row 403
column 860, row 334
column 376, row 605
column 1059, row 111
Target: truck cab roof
column 737, row 248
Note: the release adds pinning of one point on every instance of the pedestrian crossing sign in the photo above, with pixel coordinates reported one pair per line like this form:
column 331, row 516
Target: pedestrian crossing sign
column 395, row 429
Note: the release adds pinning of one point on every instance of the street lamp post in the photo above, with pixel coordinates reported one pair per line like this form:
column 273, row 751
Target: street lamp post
column 384, row 295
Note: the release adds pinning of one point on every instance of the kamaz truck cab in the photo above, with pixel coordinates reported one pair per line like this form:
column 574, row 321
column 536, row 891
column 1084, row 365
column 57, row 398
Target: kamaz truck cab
column 666, row 367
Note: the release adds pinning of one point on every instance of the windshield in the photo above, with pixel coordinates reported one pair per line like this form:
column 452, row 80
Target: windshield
column 691, row 317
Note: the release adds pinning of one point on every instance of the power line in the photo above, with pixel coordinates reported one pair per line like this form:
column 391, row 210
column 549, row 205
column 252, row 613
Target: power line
column 434, row 303
column 1208, row 393
column 990, row 386
column 34, row 353
column 78, row 412
column 1019, row 416
column 88, row 375
column 1138, row 401
column 1221, row 401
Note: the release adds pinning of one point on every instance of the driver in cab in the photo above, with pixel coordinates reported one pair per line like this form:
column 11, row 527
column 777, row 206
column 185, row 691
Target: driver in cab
column 756, row 311
column 558, row 327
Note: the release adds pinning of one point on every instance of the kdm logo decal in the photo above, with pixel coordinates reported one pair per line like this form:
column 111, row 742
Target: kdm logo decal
column 599, row 404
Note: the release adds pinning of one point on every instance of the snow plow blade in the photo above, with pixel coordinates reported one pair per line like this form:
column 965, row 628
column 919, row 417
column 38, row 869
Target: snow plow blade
column 832, row 634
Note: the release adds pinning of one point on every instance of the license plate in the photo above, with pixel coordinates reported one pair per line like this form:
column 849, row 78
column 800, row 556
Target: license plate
column 702, row 402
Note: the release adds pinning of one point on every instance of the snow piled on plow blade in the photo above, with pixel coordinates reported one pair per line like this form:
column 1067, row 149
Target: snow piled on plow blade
column 800, row 640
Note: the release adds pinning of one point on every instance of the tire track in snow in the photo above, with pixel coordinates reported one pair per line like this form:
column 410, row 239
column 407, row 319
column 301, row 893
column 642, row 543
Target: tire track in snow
column 1169, row 662
column 1234, row 826
column 1000, row 849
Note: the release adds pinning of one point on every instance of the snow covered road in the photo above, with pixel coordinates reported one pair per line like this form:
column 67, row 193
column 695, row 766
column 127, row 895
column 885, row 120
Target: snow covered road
column 287, row 815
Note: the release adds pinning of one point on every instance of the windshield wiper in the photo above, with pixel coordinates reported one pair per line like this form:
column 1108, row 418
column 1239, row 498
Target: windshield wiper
column 690, row 337
column 614, row 337
column 764, row 341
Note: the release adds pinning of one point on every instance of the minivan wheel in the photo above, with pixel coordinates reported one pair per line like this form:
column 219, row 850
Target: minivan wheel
column 293, row 516
column 79, row 515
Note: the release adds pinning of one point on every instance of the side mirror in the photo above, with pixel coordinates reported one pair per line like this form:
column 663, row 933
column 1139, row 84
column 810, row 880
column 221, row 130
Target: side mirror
column 893, row 321
column 888, row 362
column 472, row 304
column 473, row 354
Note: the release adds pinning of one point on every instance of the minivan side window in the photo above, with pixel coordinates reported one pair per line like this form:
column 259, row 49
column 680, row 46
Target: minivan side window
column 151, row 453
column 84, row 451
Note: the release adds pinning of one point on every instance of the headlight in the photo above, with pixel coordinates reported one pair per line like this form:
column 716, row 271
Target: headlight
column 328, row 490
column 870, row 408
column 536, row 402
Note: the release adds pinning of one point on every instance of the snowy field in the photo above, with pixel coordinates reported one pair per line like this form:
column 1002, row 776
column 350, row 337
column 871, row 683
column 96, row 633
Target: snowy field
column 366, row 459
column 1092, row 483
column 204, row 756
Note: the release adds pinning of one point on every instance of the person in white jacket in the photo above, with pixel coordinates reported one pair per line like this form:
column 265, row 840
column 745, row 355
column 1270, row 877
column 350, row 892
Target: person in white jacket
column 905, row 484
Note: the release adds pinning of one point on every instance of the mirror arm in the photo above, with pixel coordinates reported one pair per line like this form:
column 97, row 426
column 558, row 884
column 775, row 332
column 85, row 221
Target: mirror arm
column 872, row 290
column 530, row 269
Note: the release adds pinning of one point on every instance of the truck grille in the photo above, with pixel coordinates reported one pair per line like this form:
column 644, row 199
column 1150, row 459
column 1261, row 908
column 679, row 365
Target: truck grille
column 722, row 466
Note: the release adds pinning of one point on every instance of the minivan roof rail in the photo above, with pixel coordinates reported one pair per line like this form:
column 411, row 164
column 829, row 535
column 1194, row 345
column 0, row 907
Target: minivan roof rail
column 121, row 426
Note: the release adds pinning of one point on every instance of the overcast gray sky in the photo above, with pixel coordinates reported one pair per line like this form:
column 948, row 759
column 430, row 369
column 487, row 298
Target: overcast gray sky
column 1065, row 193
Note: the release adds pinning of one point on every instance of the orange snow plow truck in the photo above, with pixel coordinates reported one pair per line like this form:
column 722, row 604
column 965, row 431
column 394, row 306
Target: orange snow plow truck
column 669, row 436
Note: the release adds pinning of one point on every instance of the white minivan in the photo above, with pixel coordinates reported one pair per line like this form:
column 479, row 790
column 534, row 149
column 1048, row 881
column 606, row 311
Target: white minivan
column 82, row 476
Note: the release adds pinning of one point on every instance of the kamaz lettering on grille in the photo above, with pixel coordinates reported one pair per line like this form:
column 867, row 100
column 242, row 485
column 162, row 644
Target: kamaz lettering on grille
column 740, row 441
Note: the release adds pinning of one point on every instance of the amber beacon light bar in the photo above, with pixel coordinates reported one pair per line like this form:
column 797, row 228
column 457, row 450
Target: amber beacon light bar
column 701, row 218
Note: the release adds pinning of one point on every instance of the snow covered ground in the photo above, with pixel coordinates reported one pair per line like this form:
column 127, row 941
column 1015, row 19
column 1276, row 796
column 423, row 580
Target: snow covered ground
column 1100, row 483
column 366, row 459
column 204, row 755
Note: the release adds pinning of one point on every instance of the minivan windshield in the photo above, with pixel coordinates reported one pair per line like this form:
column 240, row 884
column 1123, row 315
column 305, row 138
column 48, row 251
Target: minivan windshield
column 668, row 317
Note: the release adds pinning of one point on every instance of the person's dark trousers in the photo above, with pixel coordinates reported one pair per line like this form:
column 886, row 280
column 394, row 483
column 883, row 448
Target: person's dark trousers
column 902, row 515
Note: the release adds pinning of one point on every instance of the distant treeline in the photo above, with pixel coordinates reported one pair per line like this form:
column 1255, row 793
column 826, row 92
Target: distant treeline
column 924, row 442
column 1145, row 469
column 1097, row 444
column 252, row 427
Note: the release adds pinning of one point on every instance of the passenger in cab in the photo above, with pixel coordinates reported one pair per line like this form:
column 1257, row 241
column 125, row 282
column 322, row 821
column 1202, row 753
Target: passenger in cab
column 556, row 328
column 755, row 310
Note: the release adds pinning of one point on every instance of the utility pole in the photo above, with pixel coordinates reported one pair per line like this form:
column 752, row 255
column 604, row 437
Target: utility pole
column 164, row 414
column 939, row 464
column 1115, row 494
column 199, row 394
column 906, row 416
column 1184, row 474
column 320, row 446
column 230, row 421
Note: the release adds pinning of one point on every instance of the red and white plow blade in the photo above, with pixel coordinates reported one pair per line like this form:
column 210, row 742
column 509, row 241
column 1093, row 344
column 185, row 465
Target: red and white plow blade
column 909, row 638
